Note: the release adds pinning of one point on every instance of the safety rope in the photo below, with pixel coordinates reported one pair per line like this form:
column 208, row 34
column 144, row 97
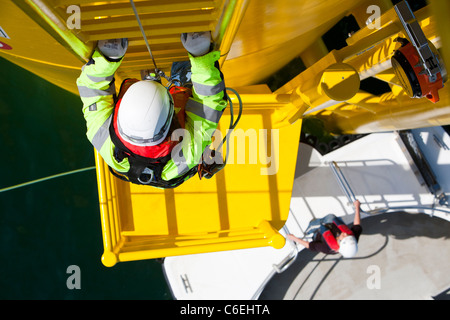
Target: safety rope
column 143, row 34
column 45, row 179
column 158, row 73
column 209, row 170
column 233, row 123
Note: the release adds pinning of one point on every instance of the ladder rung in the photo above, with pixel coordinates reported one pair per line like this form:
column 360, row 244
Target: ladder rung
column 135, row 32
column 147, row 21
column 125, row 9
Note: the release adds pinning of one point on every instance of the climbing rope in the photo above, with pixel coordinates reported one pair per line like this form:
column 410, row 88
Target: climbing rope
column 45, row 179
column 143, row 33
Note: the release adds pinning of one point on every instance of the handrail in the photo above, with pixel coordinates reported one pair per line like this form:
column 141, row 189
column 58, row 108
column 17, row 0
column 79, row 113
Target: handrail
column 49, row 20
column 278, row 268
column 225, row 31
column 289, row 259
column 345, row 187
column 343, row 183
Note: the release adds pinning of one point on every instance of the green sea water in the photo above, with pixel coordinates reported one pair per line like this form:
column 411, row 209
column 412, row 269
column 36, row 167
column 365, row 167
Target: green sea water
column 51, row 225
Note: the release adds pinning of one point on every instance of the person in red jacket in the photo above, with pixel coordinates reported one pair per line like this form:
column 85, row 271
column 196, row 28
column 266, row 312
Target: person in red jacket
column 332, row 235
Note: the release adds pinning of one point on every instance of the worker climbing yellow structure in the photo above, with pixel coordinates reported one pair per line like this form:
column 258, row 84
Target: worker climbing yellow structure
column 245, row 204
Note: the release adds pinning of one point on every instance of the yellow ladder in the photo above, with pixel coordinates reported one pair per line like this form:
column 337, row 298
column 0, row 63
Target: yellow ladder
column 162, row 20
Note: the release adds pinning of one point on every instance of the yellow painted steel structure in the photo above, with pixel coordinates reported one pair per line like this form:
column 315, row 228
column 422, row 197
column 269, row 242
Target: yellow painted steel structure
column 248, row 202
column 369, row 51
column 243, row 206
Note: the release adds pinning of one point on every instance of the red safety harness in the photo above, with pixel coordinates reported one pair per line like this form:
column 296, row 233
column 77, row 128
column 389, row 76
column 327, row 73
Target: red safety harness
column 153, row 157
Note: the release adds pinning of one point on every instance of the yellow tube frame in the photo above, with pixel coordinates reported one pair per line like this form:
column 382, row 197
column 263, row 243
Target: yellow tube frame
column 369, row 52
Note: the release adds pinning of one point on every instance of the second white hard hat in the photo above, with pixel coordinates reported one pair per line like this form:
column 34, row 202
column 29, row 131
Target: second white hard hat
column 145, row 114
column 348, row 247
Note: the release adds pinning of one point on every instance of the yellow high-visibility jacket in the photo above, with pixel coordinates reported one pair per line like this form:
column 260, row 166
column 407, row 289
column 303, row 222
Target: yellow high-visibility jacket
column 202, row 111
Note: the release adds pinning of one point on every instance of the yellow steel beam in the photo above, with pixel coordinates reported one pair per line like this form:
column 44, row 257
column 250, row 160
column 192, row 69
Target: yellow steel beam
column 50, row 21
column 166, row 40
column 228, row 25
column 145, row 7
column 158, row 54
column 147, row 20
column 364, row 11
column 388, row 22
column 387, row 112
column 316, row 51
column 150, row 32
column 148, row 62
column 370, row 55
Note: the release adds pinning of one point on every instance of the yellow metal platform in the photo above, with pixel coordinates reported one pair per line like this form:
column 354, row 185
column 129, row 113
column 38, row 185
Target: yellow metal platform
column 243, row 206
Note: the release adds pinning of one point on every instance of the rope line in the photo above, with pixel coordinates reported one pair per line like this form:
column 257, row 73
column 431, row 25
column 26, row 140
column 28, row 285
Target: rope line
column 45, row 179
column 143, row 33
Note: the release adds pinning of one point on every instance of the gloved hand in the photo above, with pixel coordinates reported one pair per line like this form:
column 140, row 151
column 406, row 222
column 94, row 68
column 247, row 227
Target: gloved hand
column 196, row 43
column 113, row 48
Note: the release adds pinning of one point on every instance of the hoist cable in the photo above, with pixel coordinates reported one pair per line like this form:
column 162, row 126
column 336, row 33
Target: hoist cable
column 45, row 179
column 143, row 33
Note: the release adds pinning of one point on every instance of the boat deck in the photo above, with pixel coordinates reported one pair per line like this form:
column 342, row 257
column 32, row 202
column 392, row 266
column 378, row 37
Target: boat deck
column 403, row 254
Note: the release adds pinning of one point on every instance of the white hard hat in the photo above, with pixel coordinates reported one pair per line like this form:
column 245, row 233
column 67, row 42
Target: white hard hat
column 145, row 113
column 348, row 247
